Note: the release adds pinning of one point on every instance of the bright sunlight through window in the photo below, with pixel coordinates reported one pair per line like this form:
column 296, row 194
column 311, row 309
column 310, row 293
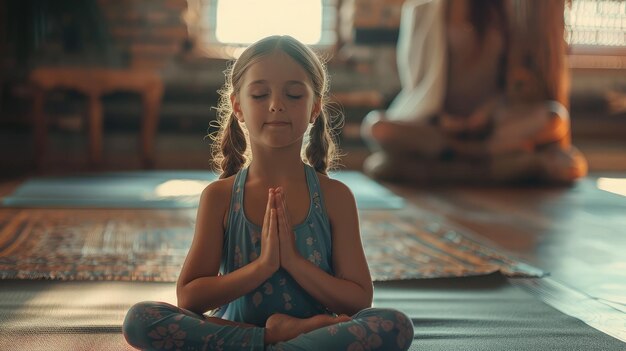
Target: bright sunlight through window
column 246, row 21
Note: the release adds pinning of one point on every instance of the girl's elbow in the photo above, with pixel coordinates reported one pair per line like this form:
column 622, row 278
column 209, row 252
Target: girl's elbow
column 367, row 301
column 369, row 294
column 360, row 304
column 188, row 305
column 184, row 300
column 356, row 308
column 181, row 299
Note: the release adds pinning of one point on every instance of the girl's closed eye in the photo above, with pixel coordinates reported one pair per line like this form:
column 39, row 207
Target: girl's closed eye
column 259, row 96
column 294, row 93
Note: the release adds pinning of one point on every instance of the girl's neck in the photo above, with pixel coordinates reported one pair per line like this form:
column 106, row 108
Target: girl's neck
column 276, row 167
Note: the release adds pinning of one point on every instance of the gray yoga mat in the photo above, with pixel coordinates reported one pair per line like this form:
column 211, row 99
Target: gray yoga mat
column 160, row 189
column 458, row 314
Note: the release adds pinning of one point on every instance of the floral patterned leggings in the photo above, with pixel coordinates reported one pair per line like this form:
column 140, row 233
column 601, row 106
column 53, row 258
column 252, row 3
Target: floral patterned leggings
column 161, row 326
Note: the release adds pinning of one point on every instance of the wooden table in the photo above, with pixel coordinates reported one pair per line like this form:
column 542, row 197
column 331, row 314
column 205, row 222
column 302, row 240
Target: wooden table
column 95, row 83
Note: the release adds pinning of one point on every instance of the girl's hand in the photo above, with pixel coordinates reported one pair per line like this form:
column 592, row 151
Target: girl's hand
column 288, row 250
column 270, row 249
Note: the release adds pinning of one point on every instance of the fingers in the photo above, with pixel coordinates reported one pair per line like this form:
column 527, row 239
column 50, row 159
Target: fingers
column 342, row 318
column 282, row 205
column 283, row 225
column 272, row 225
column 268, row 208
column 283, row 198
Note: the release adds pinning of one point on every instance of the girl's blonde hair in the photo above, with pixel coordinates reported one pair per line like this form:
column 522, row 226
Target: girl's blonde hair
column 230, row 147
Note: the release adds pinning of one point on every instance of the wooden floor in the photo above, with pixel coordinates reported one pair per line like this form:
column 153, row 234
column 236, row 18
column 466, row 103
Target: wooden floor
column 577, row 233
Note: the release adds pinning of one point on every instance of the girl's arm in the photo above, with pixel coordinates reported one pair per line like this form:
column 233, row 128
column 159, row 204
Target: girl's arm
column 199, row 288
column 350, row 289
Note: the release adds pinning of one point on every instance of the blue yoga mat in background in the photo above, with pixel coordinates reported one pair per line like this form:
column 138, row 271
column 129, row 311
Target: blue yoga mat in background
column 160, row 189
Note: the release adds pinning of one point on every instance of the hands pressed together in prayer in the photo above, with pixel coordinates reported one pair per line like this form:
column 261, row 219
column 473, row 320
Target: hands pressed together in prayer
column 278, row 247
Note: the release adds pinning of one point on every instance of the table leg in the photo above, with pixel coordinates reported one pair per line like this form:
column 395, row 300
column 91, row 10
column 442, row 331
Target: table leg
column 151, row 105
column 95, row 130
column 40, row 127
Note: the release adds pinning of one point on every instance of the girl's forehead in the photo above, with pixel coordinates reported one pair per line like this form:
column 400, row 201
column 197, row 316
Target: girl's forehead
column 276, row 67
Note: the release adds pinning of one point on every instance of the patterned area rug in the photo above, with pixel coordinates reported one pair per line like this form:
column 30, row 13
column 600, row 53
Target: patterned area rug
column 414, row 244
column 150, row 245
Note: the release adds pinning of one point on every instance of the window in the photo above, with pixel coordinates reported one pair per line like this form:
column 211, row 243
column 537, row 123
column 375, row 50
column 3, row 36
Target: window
column 598, row 23
column 223, row 26
column 596, row 33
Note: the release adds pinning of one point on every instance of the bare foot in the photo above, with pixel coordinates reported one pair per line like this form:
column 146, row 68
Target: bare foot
column 563, row 166
column 401, row 136
column 281, row 327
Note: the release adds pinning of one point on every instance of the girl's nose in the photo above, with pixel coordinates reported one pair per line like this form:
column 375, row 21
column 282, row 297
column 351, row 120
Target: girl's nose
column 276, row 105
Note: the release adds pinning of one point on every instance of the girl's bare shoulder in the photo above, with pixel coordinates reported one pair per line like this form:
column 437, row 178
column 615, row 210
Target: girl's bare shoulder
column 337, row 195
column 218, row 193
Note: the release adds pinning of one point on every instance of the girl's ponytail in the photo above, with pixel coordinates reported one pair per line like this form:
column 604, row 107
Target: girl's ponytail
column 321, row 148
column 232, row 148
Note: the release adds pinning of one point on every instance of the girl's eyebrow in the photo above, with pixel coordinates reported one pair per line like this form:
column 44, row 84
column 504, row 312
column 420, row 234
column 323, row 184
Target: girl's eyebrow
column 260, row 81
column 289, row 82
column 295, row 82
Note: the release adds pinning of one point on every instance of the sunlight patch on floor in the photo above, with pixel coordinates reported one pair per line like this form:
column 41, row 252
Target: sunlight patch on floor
column 612, row 185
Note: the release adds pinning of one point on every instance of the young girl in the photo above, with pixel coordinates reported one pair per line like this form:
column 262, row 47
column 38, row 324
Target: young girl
column 277, row 255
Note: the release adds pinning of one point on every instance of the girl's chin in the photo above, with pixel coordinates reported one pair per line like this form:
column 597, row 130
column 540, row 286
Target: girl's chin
column 282, row 144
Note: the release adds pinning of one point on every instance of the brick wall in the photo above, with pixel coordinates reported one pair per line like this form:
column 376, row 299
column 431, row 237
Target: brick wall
column 368, row 15
column 151, row 32
column 368, row 30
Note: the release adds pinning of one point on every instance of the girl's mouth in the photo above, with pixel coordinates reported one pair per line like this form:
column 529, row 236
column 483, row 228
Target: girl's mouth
column 277, row 124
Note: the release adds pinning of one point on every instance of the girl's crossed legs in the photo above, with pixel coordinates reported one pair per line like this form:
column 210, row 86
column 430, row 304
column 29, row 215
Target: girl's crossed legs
column 162, row 326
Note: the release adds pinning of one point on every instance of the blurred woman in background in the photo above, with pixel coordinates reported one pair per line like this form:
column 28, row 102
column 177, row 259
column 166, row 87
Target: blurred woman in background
column 484, row 96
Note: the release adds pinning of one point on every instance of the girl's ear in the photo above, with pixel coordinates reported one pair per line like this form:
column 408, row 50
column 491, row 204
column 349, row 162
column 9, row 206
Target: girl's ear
column 315, row 112
column 234, row 102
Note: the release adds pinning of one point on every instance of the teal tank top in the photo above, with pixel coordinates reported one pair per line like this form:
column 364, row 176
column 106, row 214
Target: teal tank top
column 242, row 245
